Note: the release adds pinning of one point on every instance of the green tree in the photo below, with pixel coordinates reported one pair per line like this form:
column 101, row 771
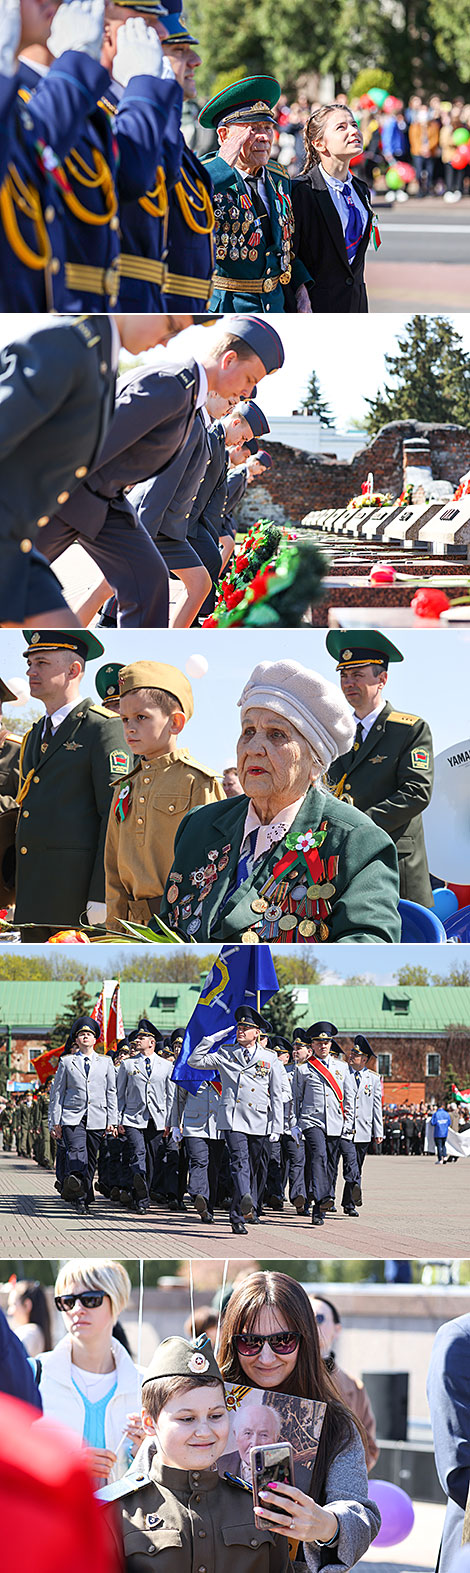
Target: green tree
column 369, row 77
column 412, row 976
column 81, row 1004
column 452, row 37
column 305, row 969
column 314, row 403
column 281, row 1011
column 429, row 377
column 458, row 976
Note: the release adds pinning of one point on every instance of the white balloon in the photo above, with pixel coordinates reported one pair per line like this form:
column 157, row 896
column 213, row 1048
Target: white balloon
column 197, row 666
column 20, row 687
column 447, row 819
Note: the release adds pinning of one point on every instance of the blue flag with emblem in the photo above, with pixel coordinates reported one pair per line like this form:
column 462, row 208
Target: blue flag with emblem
column 242, row 975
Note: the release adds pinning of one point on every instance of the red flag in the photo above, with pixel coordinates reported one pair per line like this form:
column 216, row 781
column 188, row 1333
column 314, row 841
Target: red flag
column 97, row 1014
column 115, row 1028
column 46, row 1064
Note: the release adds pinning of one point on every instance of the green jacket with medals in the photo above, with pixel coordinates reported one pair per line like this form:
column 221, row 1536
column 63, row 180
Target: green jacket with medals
column 359, row 874
column 390, row 778
column 65, row 799
column 246, row 253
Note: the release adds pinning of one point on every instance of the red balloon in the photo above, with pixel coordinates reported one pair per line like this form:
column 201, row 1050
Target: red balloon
column 392, row 105
column 461, row 157
column 357, row 160
column 406, row 171
column 367, row 103
column 462, row 892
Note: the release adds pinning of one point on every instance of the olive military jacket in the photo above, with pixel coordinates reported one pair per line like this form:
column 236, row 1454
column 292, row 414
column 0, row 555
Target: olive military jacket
column 64, row 814
column 359, row 869
column 9, row 770
column 154, row 799
column 196, row 1522
column 390, row 778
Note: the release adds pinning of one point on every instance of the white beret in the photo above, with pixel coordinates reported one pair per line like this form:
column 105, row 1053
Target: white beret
column 316, row 708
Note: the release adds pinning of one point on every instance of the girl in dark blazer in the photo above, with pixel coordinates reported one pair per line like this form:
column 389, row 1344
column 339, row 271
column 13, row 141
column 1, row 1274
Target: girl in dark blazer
column 333, row 214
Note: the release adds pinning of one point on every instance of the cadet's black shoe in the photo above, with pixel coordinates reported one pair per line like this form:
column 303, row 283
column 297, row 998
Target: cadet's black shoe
column 173, row 1205
column 202, row 1208
column 81, row 1207
column 351, row 1212
column 333, row 1209
column 141, row 1206
column 140, row 1186
column 254, row 1219
column 247, row 1206
column 210, row 1218
column 239, row 1228
column 57, row 1185
column 356, row 1194
column 299, row 1203
column 71, row 1188
column 115, row 1194
column 317, row 1215
column 126, row 1199
column 275, row 1203
column 327, row 1204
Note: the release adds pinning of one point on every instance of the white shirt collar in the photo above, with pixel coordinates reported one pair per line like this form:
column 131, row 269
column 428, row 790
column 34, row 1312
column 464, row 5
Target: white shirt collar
column 269, row 835
column 203, row 386
column 60, row 715
column 34, row 65
column 334, row 180
column 367, row 721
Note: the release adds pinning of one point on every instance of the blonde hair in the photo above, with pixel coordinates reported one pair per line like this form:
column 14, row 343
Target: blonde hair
column 313, row 132
column 98, row 1273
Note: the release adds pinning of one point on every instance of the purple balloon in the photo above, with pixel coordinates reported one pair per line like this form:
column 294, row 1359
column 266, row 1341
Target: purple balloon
column 396, row 1511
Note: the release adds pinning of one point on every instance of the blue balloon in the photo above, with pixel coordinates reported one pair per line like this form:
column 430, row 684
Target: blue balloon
column 420, row 925
column 445, row 903
column 458, row 926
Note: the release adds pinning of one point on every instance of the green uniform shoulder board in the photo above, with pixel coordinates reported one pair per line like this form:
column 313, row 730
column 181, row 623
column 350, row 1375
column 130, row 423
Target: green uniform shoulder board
column 123, row 1488
column 397, row 715
column 100, row 710
column 277, row 169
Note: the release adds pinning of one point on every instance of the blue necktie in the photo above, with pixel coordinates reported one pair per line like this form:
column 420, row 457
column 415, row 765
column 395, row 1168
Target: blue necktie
column 87, row 1067
column 354, row 227
column 148, row 1067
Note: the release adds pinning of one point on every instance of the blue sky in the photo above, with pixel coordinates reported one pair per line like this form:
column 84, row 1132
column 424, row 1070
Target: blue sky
column 348, row 359
column 377, row 963
column 432, row 680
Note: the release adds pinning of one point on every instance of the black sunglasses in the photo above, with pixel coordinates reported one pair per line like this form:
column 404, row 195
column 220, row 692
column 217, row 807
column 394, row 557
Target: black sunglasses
column 89, row 1298
column 250, row 1344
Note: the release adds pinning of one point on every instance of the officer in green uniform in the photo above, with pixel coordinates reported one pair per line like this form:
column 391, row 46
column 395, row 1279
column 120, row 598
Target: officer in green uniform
column 7, row 1124
column 9, row 754
column 71, row 761
column 388, row 772
column 45, row 1142
column 252, row 203
column 286, row 863
column 107, row 686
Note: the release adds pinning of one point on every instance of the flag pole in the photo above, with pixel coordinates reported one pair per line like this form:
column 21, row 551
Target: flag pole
column 258, row 1001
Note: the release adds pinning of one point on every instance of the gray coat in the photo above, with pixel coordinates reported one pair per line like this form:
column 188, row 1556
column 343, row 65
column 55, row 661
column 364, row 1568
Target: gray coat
column 346, row 1495
column 448, row 1390
column 142, row 1098
column 198, row 1112
column 73, row 1094
column 366, row 1119
column 164, row 503
column 316, row 1104
column 252, row 1094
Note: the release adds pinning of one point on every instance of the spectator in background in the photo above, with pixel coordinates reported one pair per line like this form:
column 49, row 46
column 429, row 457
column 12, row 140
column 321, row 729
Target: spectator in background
column 205, row 1321
column 451, row 122
column 28, row 1315
column 231, row 783
column 448, row 1390
column 349, row 1388
column 440, row 1121
column 423, row 132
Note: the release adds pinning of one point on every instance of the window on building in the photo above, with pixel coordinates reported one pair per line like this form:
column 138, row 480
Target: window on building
column 433, row 1064
column 384, row 1064
column 399, row 1004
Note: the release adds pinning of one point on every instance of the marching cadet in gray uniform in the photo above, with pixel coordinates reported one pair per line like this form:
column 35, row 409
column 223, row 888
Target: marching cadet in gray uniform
column 197, row 1114
column 366, row 1119
column 287, row 1156
column 145, row 1099
column 323, row 1105
column 388, row 772
column 83, row 1105
column 173, row 1501
column 251, row 1108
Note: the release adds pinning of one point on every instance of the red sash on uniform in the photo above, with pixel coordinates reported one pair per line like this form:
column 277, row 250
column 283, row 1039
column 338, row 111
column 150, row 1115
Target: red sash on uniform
column 319, row 1065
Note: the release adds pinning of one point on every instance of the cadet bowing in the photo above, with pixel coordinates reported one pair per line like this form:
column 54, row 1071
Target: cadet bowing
column 83, row 1105
column 251, row 1111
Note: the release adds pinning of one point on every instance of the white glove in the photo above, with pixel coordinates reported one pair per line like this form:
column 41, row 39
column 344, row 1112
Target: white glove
column 273, row 1137
column 79, row 26
column 138, row 51
column 167, row 72
column 96, row 912
column 213, row 1038
column 176, row 1134
column 296, row 1134
column 10, row 34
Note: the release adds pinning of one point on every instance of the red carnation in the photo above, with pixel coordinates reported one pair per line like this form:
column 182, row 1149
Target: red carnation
column 210, row 622
column 242, row 562
column 233, row 599
column 429, row 603
column 259, row 584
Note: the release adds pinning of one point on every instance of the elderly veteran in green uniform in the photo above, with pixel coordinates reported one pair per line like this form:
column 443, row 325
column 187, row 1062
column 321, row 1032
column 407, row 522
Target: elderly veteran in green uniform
column 70, row 762
column 286, row 862
column 388, row 772
column 252, row 203
column 173, row 1501
column 156, row 701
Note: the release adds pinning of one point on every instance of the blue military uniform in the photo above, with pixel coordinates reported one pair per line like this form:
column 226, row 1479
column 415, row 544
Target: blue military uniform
column 146, row 118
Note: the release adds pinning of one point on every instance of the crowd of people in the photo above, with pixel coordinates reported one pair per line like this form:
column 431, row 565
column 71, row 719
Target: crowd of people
column 419, row 133
column 265, row 1130
column 157, row 837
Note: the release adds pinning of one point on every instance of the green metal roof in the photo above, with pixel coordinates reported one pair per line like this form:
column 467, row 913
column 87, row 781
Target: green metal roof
column 363, row 1007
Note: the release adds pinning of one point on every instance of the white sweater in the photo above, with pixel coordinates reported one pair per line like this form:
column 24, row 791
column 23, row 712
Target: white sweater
column 64, row 1404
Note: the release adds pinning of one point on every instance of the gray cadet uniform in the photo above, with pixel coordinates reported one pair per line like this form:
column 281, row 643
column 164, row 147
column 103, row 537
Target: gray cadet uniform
column 366, row 1119
column 145, row 1099
column 251, row 1109
column 84, row 1104
column 198, row 1115
column 320, row 1117
column 287, row 1155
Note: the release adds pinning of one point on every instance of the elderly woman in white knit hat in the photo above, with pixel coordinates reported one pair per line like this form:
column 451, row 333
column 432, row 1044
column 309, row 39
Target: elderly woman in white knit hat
column 285, row 863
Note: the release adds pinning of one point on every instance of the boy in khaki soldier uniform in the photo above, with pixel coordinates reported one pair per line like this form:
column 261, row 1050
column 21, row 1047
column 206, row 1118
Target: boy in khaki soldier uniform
column 148, row 806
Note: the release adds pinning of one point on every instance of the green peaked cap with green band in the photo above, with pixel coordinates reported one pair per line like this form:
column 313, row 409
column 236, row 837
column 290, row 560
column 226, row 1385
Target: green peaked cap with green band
column 81, row 643
column 251, row 100
column 359, row 646
column 177, row 1357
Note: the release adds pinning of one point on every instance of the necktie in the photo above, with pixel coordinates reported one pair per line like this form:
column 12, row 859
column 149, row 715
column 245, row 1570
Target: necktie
column 148, row 1066
column 87, row 1067
column 358, row 1077
column 46, row 736
column 258, row 205
column 359, row 736
column 354, row 227
column 247, row 1056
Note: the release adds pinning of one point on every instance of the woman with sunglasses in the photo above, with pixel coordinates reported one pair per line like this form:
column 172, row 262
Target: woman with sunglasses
column 89, row 1382
column 270, row 1340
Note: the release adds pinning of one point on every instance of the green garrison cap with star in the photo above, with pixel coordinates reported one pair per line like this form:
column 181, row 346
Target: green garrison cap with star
column 82, row 643
column 251, row 100
column 107, row 680
column 177, row 1357
column 359, row 647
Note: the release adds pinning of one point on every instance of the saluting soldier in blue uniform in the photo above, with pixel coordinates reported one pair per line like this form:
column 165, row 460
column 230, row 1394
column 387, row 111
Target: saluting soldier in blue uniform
column 190, row 254
column 252, row 203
